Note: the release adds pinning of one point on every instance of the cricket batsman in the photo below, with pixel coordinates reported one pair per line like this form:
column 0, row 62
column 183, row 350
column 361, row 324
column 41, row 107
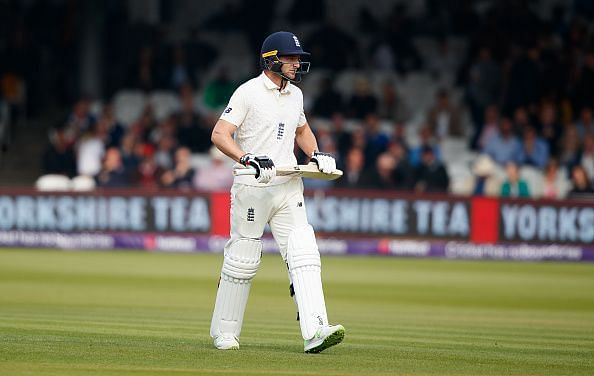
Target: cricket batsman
column 258, row 128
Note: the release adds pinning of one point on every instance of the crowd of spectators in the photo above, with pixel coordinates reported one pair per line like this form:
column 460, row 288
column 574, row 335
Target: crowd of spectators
column 527, row 81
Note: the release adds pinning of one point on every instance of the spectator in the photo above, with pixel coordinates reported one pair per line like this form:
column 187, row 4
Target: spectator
column 353, row 169
column 444, row 119
column 91, row 148
column 399, row 135
column 329, row 101
column 554, row 185
column 382, row 176
column 491, row 128
column 581, row 184
column 585, row 125
column 182, row 176
column 534, row 150
column 514, row 186
column 130, row 159
column 164, row 152
column 569, row 154
column 363, row 102
column 403, row 172
column 192, row 131
column 112, row 174
column 505, row 146
column 484, row 181
column 392, row 106
column 550, row 129
column 115, row 129
column 342, row 137
column 180, row 70
column 587, row 157
column 427, row 140
column 218, row 176
column 80, row 120
column 218, row 91
column 59, row 157
column 149, row 173
column 431, row 175
column 376, row 141
column 521, row 119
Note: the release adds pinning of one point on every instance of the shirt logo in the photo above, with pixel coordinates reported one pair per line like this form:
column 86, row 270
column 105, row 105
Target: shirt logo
column 281, row 131
column 228, row 109
column 296, row 41
column 250, row 215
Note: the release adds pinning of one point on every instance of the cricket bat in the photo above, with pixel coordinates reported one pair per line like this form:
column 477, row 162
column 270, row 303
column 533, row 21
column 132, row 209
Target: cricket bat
column 305, row 171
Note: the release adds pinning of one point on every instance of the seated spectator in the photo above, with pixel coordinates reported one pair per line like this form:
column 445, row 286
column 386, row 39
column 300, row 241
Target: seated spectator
column 353, row 169
column 342, row 137
column 180, row 70
column 431, row 175
column 587, row 157
column 444, row 118
column 130, row 158
column 403, row 172
column 182, row 176
column 585, row 124
column 491, row 127
column 218, row 91
column 391, row 104
column 376, row 142
column 382, row 176
column 521, row 118
column 427, row 140
column 550, row 129
column 112, row 174
column 534, row 150
column 115, row 129
column 582, row 188
column 569, row 153
column 192, row 131
column 216, row 177
column 484, row 181
column 59, row 157
column 164, row 152
column 149, row 173
column 399, row 135
column 505, row 146
column 362, row 102
column 80, row 120
column 90, row 150
column 513, row 186
column 554, row 185
column 329, row 101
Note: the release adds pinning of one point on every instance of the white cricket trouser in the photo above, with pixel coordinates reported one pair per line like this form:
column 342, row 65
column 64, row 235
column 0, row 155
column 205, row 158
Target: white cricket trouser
column 281, row 206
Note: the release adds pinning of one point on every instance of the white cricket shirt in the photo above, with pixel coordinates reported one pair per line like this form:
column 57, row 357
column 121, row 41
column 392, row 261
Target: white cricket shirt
column 266, row 121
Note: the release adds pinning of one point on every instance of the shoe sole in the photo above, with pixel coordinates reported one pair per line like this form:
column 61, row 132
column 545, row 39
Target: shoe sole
column 332, row 340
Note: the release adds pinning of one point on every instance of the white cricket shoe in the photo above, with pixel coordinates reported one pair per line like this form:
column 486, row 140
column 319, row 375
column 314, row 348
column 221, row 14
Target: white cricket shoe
column 226, row 341
column 326, row 336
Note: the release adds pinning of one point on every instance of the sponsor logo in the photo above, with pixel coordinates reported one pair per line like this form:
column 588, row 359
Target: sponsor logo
column 281, row 131
column 297, row 44
column 300, row 204
column 228, row 109
column 250, row 215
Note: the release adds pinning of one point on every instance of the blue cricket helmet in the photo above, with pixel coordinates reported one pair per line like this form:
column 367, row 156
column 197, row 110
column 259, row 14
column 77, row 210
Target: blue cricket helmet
column 282, row 43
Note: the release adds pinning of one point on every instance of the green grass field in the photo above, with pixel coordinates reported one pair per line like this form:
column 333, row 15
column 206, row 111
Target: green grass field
column 119, row 313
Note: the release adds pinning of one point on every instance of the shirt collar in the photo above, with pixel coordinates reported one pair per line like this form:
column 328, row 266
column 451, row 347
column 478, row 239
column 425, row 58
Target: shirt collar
column 272, row 86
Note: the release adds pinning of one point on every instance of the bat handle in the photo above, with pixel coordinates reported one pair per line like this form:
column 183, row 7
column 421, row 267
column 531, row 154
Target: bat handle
column 244, row 171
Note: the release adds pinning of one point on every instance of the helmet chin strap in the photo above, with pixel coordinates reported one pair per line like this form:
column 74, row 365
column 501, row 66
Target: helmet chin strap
column 280, row 73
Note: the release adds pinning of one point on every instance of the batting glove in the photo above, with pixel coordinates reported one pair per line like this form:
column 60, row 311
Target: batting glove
column 264, row 166
column 326, row 162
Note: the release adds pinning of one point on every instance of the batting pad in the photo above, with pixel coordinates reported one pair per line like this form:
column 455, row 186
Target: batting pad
column 241, row 262
column 303, row 258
